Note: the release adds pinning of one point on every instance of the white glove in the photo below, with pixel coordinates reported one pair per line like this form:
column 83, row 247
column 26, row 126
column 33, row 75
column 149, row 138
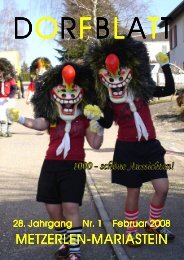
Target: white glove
column 95, row 127
column 92, row 112
column 13, row 115
column 162, row 58
column 90, row 116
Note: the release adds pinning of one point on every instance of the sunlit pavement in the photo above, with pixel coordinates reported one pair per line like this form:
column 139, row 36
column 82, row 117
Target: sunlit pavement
column 21, row 160
column 21, row 157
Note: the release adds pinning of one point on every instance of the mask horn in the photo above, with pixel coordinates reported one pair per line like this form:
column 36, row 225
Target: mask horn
column 68, row 75
column 112, row 63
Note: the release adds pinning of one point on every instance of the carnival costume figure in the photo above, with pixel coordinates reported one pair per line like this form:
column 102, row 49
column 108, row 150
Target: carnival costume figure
column 38, row 67
column 59, row 99
column 124, row 86
column 8, row 89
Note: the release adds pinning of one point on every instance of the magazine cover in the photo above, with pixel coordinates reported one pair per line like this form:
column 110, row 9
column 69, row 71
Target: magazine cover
column 91, row 129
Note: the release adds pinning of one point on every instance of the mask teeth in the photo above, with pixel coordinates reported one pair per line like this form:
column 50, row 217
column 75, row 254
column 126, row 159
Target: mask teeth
column 66, row 101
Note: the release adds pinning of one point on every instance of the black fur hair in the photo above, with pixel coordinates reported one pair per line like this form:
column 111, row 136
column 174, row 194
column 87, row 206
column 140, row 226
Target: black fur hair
column 131, row 53
column 7, row 68
column 34, row 64
column 44, row 105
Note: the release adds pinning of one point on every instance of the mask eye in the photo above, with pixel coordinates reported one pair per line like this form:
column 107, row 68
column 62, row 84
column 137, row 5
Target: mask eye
column 111, row 79
column 60, row 88
column 122, row 72
column 75, row 87
column 106, row 74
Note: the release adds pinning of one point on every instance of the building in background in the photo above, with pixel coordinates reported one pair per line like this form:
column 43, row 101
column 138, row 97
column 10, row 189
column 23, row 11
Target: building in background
column 176, row 33
column 159, row 44
column 13, row 57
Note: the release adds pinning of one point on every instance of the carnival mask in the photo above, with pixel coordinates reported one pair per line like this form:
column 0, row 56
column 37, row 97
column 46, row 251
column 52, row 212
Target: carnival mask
column 41, row 68
column 67, row 95
column 115, row 78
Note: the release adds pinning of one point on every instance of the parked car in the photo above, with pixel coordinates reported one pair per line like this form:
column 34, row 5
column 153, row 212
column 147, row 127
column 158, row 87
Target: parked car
column 158, row 75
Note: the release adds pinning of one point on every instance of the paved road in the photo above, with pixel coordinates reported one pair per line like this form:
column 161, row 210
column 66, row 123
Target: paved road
column 20, row 161
column 21, row 157
column 113, row 196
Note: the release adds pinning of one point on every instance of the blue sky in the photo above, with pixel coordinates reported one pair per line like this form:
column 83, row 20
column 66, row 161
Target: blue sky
column 38, row 47
column 164, row 7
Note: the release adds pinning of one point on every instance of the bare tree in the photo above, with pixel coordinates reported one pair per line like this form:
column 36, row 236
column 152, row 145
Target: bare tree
column 125, row 10
column 7, row 28
column 128, row 9
column 89, row 8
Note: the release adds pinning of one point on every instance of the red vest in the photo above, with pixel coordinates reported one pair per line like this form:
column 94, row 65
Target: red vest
column 7, row 87
column 77, row 134
column 31, row 87
column 125, row 120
